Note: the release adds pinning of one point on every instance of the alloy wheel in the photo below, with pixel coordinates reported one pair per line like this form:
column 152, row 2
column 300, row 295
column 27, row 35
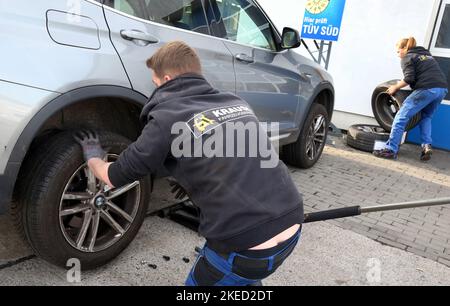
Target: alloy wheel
column 94, row 217
column 316, row 137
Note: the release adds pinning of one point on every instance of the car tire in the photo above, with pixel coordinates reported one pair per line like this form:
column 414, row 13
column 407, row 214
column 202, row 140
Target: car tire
column 308, row 148
column 385, row 107
column 47, row 202
column 38, row 149
column 363, row 137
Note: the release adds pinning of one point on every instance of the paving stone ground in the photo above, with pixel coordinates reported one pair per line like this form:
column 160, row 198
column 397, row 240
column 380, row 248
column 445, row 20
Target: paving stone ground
column 326, row 255
column 330, row 253
column 348, row 177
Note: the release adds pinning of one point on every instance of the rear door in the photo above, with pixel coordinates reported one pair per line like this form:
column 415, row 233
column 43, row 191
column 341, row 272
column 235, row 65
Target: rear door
column 265, row 77
column 140, row 27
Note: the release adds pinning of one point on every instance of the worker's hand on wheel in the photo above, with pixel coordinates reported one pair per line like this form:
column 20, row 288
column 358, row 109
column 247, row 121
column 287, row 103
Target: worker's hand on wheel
column 90, row 143
column 392, row 90
column 177, row 190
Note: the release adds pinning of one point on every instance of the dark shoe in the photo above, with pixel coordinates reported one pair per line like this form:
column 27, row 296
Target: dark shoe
column 427, row 152
column 385, row 153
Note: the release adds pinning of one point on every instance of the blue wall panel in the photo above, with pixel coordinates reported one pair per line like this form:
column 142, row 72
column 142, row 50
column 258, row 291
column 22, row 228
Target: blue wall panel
column 441, row 129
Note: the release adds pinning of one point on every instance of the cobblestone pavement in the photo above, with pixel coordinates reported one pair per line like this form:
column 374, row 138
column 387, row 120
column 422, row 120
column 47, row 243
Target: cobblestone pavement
column 347, row 177
column 322, row 258
column 328, row 255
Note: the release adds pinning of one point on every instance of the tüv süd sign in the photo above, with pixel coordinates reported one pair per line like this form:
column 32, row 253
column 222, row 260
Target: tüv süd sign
column 322, row 20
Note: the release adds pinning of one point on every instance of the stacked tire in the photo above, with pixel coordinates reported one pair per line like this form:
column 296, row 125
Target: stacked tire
column 385, row 107
column 363, row 137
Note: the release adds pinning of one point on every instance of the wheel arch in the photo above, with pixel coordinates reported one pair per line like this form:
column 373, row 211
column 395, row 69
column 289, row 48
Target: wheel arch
column 324, row 95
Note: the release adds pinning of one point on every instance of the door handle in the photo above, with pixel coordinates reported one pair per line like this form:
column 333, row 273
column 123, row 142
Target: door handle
column 135, row 35
column 244, row 58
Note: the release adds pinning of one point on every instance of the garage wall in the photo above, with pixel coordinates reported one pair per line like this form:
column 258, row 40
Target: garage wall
column 365, row 55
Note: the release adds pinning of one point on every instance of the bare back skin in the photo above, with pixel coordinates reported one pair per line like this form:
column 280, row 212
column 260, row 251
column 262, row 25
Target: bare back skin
column 280, row 238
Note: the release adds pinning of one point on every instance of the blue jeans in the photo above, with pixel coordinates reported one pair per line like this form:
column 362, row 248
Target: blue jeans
column 425, row 101
column 238, row 269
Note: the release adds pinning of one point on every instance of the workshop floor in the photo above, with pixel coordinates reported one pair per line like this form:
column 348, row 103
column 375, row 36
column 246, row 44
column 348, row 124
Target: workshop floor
column 410, row 247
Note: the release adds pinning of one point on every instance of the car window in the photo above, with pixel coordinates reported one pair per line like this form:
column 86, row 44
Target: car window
column 443, row 39
column 125, row 6
column 130, row 7
column 245, row 23
column 183, row 14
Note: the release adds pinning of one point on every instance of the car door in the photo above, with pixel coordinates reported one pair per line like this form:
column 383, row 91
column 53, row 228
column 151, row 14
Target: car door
column 266, row 77
column 140, row 27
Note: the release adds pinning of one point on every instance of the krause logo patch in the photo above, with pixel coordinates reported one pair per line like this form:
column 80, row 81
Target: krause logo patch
column 208, row 120
column 423, row 58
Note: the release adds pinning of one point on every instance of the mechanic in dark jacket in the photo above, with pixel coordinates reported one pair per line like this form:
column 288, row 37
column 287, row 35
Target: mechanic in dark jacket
column 421, row 72
column 251, row 212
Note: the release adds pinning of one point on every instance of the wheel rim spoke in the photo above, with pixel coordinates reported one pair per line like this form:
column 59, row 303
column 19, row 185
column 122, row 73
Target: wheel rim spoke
column 95, row 225
column 91, row 181
column 316, row 137
column 90, row 228
column 119, row 211
column 103, row 184
column 121, row 190
column 313, row 150
column 319, row 140
column 311, row 131
column 309, row 149
column 110, row 220
column 76, row 196
column 319, row 123
column 84, row 228
column 74, row 210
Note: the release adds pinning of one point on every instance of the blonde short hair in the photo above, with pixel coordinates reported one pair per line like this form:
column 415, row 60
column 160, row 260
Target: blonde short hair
column 174, row 59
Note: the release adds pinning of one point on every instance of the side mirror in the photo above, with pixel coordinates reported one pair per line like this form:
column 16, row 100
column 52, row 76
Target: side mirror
column 291, row 39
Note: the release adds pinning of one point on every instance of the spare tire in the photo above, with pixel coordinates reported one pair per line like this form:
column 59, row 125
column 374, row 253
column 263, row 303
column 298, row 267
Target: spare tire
column 385, row 106
column 363, row 137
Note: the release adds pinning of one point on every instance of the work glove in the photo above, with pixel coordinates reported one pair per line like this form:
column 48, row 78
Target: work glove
column 90, row 143
column 178, row 191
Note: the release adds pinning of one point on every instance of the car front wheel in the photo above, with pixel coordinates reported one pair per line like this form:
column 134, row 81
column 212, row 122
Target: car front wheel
column 68, row 214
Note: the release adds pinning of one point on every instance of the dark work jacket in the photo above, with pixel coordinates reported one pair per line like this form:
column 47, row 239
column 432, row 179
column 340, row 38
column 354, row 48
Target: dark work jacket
column 242, row 204
column 422, row 71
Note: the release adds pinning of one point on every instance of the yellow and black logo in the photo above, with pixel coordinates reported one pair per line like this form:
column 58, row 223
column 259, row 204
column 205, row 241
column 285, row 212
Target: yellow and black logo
column 210, row 119
column 424, row 58
column 201, row 123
